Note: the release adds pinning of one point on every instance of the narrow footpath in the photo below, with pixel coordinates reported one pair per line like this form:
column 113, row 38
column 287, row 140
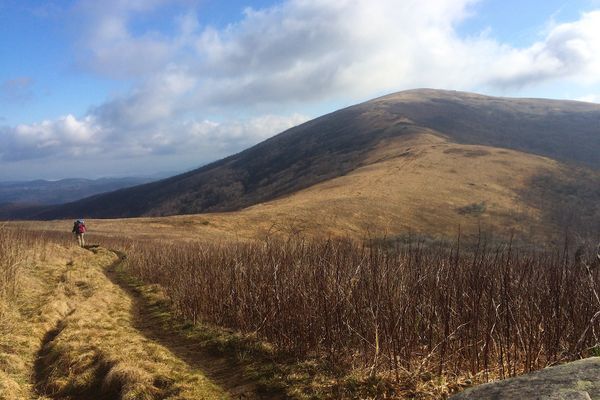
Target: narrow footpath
column 151, row 318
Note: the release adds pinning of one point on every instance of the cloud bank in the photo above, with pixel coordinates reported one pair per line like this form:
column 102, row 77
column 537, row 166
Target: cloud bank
column 202, row 87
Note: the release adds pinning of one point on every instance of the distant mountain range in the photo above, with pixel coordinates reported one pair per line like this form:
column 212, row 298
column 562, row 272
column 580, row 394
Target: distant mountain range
column 547, row 150
column 18, row 195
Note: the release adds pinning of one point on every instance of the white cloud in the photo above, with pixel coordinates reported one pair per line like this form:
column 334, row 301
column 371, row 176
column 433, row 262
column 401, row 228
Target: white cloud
column 316, row 50
column 235, row 135
column 116, row 53
column 108, row 46
column 569, row 51
column 64, row 137
column 309, row 50
column 68, row 137
column 158, row 99
column 590, row 98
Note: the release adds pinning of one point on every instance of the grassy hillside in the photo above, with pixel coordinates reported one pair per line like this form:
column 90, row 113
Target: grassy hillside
column 421, row 183
column 336, row 144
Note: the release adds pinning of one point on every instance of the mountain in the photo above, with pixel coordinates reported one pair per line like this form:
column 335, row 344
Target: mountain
column 411, row 145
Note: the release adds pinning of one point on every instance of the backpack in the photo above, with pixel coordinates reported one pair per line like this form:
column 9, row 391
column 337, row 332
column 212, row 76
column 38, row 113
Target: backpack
column 80, row 227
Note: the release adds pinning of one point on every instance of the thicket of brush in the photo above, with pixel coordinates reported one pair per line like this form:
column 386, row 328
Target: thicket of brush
column 18, row 247
column 492, row 310
column 12, row 249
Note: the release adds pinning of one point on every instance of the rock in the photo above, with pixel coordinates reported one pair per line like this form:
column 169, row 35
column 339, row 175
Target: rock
column 579, row 380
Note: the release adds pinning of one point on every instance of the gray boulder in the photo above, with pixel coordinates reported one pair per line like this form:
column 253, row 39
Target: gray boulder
column 578, row 380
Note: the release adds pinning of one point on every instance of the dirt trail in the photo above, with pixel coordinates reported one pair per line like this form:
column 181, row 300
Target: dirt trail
column 148, row 318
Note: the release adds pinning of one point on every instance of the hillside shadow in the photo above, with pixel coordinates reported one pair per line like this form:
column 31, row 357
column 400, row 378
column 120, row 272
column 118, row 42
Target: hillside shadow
column 569, row 200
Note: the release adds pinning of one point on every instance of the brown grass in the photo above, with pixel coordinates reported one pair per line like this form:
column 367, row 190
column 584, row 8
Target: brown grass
column 12, row 258
column 414, row 185
column 27, row 309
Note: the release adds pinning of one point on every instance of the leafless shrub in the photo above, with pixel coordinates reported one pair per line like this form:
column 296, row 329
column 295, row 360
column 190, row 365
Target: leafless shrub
column 495, row 310
column 12, row 246
column 17, row 247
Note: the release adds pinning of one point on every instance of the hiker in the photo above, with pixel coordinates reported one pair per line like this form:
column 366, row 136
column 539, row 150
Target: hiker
column 79, row 230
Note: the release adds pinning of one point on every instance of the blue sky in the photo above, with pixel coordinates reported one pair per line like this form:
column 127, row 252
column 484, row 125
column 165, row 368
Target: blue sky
column 133, row 87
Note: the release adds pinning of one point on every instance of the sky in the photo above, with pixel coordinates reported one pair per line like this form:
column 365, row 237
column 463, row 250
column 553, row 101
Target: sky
column 138, row 87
